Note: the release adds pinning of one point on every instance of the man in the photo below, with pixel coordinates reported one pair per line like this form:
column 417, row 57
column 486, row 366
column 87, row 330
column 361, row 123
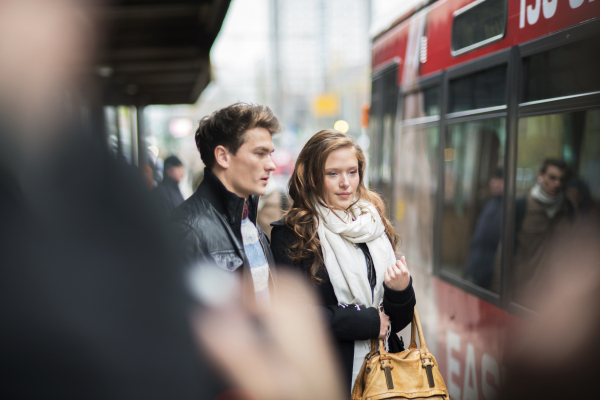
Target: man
column 217, row 224
column 541, row 215
column 167, row 193
column 486, row 237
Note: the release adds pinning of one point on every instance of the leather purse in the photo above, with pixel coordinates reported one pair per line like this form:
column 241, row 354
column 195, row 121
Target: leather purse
column 410, row 374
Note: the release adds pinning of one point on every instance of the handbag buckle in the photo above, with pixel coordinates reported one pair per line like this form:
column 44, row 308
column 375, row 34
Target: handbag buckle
column 428, row 364
column 387, row 369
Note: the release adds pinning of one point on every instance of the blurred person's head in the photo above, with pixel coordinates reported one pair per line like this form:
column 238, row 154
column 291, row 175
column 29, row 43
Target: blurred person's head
column 174, row 168
column 552, row 176
column 578, row 193
column 236, row 143
column 330, row 171
column 497, row 183
column 45, row 46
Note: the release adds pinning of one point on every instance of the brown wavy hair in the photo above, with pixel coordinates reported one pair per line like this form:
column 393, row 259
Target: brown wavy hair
column 307, row 182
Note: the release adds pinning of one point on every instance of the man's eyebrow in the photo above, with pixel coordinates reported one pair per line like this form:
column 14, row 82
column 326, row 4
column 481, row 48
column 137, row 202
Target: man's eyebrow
column 260, row 148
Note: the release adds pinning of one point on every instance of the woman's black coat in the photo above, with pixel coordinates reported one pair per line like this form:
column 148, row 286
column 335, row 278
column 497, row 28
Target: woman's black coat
column 348, row 323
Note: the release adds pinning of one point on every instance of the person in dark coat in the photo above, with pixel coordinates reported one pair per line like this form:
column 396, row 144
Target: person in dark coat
column 337, row 235
column 217, row 224
column 167, row 193
column 486, row 238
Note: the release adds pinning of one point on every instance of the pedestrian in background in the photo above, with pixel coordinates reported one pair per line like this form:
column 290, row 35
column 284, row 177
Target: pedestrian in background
column 167, row 193
column 337, row 234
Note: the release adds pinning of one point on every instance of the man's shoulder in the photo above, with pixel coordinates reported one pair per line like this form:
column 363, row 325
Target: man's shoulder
column 194, row 211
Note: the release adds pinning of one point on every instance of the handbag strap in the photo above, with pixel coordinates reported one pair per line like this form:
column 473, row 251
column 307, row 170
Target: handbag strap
column 413, row 336
column 414, row 331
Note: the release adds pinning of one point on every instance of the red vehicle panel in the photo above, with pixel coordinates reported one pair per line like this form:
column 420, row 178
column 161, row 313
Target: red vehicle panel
column 471, row 338
column 526, row 20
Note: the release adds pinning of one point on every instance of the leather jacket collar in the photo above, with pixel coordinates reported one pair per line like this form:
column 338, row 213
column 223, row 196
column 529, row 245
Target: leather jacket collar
column 225, row 202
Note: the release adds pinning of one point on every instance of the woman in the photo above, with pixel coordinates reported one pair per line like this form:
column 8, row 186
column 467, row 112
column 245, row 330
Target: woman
column 336, row 232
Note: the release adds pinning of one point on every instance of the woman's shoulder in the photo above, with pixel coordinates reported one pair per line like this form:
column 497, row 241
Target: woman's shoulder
column 282, row 238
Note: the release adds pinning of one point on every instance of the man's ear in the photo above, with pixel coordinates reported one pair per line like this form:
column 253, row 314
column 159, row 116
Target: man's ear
column 222, row 156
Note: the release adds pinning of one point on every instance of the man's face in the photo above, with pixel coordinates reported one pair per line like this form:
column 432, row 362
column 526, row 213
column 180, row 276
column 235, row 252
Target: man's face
column 176, row 173
column 552, row 180
column 250, row 168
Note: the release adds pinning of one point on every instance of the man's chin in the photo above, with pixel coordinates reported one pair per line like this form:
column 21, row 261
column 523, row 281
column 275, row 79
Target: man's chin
column 260, row 191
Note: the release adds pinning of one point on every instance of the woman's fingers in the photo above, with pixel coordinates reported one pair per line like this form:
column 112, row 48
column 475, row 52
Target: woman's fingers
column 385, row 323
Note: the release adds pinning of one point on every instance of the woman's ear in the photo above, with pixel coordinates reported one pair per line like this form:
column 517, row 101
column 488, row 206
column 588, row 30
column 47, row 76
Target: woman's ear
column 222, row 156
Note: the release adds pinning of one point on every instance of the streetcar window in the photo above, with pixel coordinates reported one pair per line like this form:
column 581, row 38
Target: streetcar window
column 415, row 191
column 422, row 104
column 557, row 185
column 478, row 24
column 479, row 90
column 384, row 102
column 563, row 71
column 416, row 184
column 473, row 197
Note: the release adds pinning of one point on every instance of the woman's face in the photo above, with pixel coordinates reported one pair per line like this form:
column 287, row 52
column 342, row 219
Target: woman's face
column 341, row 178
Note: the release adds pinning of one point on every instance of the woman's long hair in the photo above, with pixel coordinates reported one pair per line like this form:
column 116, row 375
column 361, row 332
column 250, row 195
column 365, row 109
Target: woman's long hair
column 307, row 183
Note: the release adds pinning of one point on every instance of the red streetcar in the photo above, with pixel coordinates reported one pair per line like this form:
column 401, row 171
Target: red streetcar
column 468, row 99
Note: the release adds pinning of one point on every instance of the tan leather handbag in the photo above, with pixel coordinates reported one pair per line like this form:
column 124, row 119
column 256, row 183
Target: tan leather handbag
column 410, row 374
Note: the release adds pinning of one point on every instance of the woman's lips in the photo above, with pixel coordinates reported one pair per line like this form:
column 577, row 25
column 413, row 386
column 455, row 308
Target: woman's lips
column 343, row 195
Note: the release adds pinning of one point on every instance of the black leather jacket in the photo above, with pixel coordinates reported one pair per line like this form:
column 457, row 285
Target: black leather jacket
column 208, row 228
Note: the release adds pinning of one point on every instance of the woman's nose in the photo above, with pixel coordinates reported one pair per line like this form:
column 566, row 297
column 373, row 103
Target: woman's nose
column 344, row 181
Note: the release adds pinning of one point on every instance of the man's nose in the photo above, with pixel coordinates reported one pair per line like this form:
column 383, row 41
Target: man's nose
column 270, row 166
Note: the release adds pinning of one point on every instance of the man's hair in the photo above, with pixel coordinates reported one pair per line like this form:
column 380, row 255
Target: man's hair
column 226, row 127
column 555, row 162
column 172, row 161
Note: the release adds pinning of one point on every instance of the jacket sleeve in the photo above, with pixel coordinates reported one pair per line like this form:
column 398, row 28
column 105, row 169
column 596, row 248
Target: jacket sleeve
column 191, row 249
column 346, row 322
column 399, row 305
column 351, row 322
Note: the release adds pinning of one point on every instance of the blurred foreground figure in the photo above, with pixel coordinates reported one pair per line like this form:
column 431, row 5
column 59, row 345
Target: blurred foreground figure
column 92, row 303
column 556, row 356
column 282, row 353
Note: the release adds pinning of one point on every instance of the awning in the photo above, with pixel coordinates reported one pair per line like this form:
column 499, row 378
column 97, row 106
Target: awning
column 157, row 51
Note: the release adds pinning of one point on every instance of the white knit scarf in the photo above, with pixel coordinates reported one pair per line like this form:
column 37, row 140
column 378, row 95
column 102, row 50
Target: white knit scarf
column 338, row 231
column 551, row 204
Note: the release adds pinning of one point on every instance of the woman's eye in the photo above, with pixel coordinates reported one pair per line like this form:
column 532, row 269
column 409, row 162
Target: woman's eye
column 352, row 172
column 331, row 173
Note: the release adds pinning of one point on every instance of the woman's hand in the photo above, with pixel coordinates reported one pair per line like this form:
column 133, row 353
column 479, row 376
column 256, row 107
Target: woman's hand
column 385, row 323
column 397, row 276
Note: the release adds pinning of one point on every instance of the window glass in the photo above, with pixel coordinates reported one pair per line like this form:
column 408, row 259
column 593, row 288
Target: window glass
column 558, row 184
column 480, row 90
column 375, row 128
column 563, row 71
column 416, row 188
column 382, row 124
column 422, row 104
column 479, row 23
column 473, row 198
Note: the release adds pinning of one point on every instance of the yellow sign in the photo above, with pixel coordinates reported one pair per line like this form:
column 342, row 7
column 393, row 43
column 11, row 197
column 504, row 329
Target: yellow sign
column 326, row 105
column 400, row 210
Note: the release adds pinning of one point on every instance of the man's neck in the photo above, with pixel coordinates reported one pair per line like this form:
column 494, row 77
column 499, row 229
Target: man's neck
column 221, row 174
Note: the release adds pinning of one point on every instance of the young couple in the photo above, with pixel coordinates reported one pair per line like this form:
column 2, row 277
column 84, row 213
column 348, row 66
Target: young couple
column 335, row 232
